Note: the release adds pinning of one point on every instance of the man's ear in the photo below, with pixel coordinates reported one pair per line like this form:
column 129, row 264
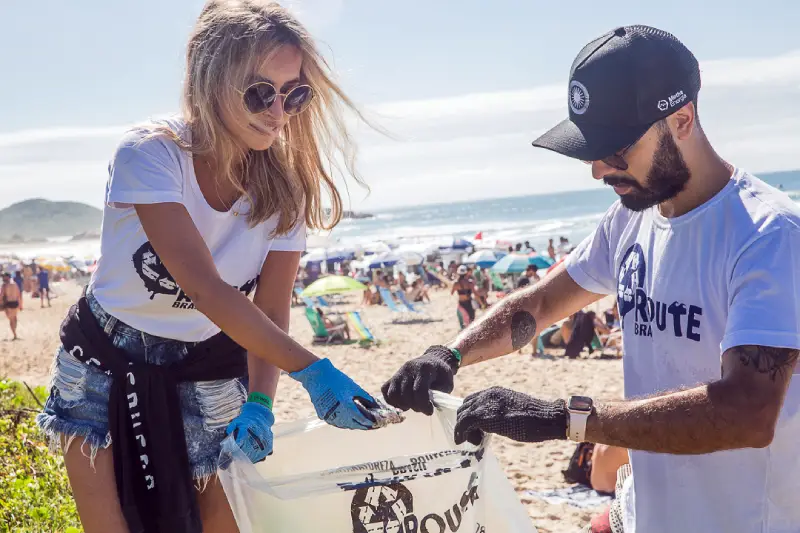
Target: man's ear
column 683, row 122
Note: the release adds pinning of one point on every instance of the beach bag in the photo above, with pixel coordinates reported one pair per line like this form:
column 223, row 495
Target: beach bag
column 404, row 478
column 579, row 469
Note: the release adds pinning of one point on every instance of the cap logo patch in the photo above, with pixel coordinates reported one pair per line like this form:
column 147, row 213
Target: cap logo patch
column 578, row 97
column 677, row 98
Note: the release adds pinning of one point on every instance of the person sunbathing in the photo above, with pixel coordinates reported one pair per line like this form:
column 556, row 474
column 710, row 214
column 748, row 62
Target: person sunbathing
column 418, row 292
column 334, row 324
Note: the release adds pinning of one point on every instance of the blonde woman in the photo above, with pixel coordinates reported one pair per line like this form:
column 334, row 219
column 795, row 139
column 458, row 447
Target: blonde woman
column 165, row 354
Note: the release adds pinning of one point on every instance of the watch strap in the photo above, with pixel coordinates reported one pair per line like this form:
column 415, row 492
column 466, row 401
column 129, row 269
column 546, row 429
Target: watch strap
column 576, row 428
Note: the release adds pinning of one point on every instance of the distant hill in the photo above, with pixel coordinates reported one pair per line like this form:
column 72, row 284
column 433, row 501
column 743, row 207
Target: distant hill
column 37, row 219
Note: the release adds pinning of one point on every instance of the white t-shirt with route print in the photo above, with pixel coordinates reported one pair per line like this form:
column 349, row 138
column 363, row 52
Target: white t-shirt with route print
column 688, row 288
column 130, row 281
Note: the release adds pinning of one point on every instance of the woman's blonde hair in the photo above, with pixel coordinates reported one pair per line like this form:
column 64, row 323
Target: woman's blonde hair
column 231, row 39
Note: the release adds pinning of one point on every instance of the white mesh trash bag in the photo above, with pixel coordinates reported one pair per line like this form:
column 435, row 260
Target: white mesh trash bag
column 403, row 478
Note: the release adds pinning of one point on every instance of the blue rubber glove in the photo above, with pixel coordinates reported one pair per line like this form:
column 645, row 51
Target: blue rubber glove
column 333, row 395
column 252, row 431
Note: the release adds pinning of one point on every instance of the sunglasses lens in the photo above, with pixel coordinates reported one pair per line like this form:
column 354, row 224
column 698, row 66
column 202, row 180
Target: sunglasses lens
column 297, row 100
column 616, row 161
column 258, row 97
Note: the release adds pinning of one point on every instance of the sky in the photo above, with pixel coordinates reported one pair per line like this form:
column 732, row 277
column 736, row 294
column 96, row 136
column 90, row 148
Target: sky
column 461, row 86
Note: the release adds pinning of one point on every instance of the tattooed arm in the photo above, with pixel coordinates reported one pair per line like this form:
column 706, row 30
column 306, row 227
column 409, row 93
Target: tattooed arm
column 514, row 322
column 740, row 410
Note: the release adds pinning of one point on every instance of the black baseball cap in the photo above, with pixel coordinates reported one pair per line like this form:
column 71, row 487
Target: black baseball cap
column 619, row 85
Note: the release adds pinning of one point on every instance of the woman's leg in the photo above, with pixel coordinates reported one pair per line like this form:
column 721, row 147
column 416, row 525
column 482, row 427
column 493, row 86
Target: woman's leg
column 94, row 489
column 215, row 511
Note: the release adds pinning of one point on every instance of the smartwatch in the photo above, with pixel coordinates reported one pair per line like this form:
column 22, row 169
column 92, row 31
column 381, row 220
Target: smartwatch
column 579, row 409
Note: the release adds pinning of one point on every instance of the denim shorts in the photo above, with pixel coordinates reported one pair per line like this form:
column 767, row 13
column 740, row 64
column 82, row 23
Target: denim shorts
column 78, row 403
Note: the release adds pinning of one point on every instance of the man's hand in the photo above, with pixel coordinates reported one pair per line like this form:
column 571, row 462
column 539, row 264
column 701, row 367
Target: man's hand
column 410, row 387
column 512, row 414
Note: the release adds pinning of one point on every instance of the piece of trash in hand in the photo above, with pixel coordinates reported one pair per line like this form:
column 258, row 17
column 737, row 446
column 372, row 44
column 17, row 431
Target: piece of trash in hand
column 382, row 413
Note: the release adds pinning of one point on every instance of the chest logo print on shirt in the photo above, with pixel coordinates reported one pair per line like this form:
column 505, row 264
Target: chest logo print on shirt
column 154, row 274
column 678, row 318
column 158, row 280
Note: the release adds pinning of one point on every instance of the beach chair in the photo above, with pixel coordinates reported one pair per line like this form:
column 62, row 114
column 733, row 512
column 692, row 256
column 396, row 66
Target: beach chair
column 497, row 283
column 545, row 335
column 399, row 314
column 596, row 344
column 362, row 330
column 401, row 296
column 321, row 333
column 388, row 299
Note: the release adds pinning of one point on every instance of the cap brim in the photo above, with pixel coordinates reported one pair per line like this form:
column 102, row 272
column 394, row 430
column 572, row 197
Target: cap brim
column 589, row 142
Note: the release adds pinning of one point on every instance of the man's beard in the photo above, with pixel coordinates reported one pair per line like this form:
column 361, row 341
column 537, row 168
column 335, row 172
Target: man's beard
column 667, row 177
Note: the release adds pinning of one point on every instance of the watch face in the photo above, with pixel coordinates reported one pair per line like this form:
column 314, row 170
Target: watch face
column 580, row 403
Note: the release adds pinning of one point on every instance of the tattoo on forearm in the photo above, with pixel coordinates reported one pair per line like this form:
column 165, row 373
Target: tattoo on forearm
column 496, row 325
column 768, row 360
column 523, row 328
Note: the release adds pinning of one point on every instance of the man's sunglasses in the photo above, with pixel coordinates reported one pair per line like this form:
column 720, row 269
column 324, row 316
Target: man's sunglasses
column 617, row 160
column 260, row 96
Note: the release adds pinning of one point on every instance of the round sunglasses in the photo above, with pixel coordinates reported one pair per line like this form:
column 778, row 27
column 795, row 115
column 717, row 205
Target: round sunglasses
column 617, row 160
column 260, row 96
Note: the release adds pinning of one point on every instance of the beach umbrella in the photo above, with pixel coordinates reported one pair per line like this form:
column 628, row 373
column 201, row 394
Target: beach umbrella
column 323, row 254
column 378, row 247
column 540, row 261
column 382, row 260
column 511, row 264
column 482, row 258
column 455, row 243
column 333, row 285
column 410, row 257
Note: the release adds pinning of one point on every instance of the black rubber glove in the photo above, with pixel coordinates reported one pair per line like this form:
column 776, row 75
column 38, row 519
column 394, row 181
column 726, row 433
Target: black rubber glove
column 512, row 414
column 410, row 386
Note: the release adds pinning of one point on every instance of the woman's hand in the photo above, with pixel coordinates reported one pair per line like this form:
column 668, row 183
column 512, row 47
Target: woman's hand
column 252, row 431
column 333, row 395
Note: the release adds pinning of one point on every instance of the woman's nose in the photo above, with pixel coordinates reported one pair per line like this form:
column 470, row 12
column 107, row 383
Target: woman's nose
column 275, row 111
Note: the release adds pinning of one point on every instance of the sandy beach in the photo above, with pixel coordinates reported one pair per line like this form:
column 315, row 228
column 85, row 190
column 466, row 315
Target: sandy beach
column 528, row 466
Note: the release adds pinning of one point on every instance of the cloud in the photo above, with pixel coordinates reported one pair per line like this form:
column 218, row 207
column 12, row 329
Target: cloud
column 461, row 147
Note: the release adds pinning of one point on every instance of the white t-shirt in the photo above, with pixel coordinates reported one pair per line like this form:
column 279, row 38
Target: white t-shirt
column 688, row 288
column 130, row 282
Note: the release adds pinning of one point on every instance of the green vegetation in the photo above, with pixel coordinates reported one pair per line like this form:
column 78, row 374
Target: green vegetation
column 38, row 218
column 34, row 490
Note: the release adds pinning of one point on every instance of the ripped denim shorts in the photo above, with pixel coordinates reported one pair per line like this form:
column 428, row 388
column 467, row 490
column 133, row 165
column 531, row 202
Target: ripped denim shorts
column 78, row 401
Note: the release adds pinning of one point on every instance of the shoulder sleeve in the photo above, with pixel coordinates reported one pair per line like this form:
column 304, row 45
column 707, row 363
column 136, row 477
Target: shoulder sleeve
column 292, row 241
column 146, row 172
column 591, row 264
column 763, row 303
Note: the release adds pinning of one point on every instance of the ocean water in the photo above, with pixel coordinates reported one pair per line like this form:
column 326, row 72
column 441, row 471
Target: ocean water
column 534, row 218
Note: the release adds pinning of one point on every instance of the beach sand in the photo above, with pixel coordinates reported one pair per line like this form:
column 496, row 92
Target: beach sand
column 528, row 466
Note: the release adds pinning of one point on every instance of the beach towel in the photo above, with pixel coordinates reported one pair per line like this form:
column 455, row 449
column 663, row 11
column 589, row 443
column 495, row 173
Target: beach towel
column 406, row 477
column 577, row 496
